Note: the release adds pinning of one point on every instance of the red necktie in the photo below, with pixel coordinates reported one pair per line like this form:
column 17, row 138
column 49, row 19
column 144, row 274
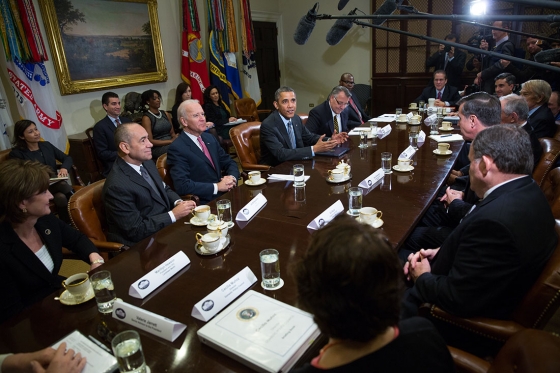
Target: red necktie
column 205, row 151
column 117, row 122
column 356, row 110
column 439, row 95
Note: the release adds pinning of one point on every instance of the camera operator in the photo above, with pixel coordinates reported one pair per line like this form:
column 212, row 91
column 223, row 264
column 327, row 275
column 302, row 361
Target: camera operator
column 534, row 46
column 450, row 60
column 475, row 63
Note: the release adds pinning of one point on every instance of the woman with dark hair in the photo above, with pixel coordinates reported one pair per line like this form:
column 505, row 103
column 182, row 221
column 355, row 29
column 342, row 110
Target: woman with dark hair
column 350, row 279
column 216, row 112
column 28, row 146
column 31, row 238
column 157, row 123
column 182, row 93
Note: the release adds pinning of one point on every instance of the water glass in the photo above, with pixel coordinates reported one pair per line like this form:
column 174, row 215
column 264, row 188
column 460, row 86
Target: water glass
column 363, row 140
column 224, row 212
column 398, row 111
column 104, row 291
column 270, row 268
column 299, row 175
column 386, row 158
column 354, row 200
column 128, row 351
column 373, row 129
column 434, row 128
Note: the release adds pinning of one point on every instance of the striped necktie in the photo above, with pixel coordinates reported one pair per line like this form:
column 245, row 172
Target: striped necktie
column 291, row 134
column 336, row 129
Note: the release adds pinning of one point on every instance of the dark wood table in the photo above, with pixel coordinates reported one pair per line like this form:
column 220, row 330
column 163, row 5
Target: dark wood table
column 280, row 225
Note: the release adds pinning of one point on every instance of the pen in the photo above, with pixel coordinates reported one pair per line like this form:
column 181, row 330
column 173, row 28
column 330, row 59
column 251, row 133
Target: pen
column 446, row 135
column 100, row 344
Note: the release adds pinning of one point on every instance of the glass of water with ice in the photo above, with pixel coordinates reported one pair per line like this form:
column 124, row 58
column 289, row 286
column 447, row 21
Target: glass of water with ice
column 104, row 291
column 128, row 351
column 270, row 268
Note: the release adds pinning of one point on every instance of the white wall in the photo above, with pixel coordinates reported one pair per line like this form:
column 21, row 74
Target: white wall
column 312, row 70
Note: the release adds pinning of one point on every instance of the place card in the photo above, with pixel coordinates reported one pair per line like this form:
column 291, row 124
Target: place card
column 210, row 305
column 148, row 321
column 151, row 281
column 409, row 116
column 407, row 153
column 326, row 216
column 447, row 138
column 421, row 136
column 372, row 179
column 251, row 209
column 384, row 131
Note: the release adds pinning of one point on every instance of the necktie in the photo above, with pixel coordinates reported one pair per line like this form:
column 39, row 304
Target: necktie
column 148, row 179
column 439, row 95
column 335, row 120
column 446, row 61
column 117, row 122
column 205, row 151
column 356, row 110
column 291, row 134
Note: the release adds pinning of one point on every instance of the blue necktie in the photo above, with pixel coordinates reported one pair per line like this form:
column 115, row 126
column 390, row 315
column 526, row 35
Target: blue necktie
column 291, row 134
column 149, row 179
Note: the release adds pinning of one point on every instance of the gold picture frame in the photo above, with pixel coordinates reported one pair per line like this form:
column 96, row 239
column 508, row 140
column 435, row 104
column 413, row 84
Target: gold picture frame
column 103, row 45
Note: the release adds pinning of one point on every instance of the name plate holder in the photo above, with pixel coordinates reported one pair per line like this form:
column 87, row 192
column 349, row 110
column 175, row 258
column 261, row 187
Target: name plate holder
column 326, row 216
column 156, row 277
column 407, row 153
column 372, row 179
column 384, row 132
column 217, row 300
column 252, row 208
column 421, row 138
column 147, row 321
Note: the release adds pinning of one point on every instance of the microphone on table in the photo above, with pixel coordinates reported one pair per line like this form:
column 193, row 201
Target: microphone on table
column 387, row 8
column 547, row 56
column 306, row 25
column 342, row 4
column 340, row 29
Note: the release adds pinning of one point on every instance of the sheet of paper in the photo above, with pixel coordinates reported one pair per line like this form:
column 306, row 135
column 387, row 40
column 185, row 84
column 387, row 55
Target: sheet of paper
column 447, row 138
column 98, row 359
column 385, row 118
column 280, row 177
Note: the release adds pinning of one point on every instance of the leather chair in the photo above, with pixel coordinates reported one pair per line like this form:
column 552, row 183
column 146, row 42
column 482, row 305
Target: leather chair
column 535, row 310
column 246, row 108
column 551, row 154
column 528, row 351
column 98, row 164
column 551, row 189
column 87, row 212
column 246, row 139
column 4, row 154
column 163, row 170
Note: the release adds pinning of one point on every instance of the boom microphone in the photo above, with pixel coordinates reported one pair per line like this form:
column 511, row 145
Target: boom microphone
column 340, row 29
column 387, row 8
column 306, row 25
column 342, row 4
column 547, row 56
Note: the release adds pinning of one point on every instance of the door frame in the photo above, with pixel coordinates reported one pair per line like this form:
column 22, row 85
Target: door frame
column 276, row 18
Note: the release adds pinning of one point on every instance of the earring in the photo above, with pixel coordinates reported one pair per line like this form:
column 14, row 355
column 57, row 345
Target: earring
column 24, row 210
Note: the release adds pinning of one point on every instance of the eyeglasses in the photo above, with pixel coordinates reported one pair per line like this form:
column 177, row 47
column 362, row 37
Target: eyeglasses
column 347, row 82
column 341, row 103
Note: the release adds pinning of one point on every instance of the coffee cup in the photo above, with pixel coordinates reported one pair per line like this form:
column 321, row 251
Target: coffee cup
column 202, row 212
column 402, row 118
column 446, row 125
column 255, row 176
column 413, row 105
column 345, row 167
column 78, row 285
column 369, row 215
column 443, row 147
column 209, row 241
column 431, row 102
column 404, row 162
column 219, row 227
column 336, row 174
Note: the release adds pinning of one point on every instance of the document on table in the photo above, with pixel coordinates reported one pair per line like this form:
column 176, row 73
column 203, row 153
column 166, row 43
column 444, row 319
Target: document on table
column 98, row 360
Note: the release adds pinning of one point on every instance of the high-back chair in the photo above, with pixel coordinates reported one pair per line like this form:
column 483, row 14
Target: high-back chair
column 551, row 154
column 98, row 164
column 246, row 139
column 246, row 108
column 163, row 170
column 551, row 189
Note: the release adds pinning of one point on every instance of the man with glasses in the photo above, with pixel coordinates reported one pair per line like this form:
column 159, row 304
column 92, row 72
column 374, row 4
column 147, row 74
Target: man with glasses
column 196, row 159
column 330, row 117
column 444, row 94
column 356, row 115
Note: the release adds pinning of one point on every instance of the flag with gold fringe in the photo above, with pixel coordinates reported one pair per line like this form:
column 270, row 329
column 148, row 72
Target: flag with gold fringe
column 251, row 87
column 193, row 59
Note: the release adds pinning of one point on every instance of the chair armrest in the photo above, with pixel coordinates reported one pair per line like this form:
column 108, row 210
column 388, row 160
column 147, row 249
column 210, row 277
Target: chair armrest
column 111, row 247
column 493, row 329
column 468, row 363
column 255, row 167
column 77, row 176
column 248, row 118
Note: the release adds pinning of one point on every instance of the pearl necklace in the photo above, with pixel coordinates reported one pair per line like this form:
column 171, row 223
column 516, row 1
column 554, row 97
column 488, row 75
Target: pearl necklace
column 155, row 115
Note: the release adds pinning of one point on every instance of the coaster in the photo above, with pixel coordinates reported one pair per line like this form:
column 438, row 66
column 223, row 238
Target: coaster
column 276, row 288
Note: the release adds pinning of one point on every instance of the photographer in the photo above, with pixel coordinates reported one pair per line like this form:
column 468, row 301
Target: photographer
column 450, row 60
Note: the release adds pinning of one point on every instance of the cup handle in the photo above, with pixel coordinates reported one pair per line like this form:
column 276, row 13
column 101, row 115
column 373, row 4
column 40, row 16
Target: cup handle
column 199, row 238
column 379, row 214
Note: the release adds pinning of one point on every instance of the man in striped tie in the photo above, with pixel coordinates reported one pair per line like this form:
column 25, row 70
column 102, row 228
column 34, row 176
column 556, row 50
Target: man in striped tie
column 331, row 117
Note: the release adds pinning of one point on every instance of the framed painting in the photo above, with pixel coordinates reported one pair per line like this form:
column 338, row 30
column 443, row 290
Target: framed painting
column 101, row 44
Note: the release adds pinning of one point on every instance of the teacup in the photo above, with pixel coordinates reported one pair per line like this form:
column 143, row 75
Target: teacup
column 209, row 241
column 446, row 125
column 413, row 105
column 404, row 162
column 345, row 167
column 443, row 147
column 402, row 118
column 336, row 175
column 255, row 176
column 219, row 227
column 78, row 285
column 369, row 215
column 202, row 212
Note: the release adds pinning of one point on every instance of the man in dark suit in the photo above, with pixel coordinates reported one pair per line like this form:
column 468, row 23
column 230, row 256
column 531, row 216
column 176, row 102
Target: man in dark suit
column 356, row 115
column 103, row 131
column 450, row 60
column 444, row 94
column 537, row 93
column 488, row 263
column 283, row 136
column 137, row 202
column 197, row 163
column 330, row 117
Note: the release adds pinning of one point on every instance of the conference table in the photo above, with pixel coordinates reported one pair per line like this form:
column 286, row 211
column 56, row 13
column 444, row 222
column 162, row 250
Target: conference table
column 281, row 224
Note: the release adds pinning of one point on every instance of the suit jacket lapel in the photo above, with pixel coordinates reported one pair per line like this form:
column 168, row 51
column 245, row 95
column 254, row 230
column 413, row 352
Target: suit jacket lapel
column 136, row 178
column 283, row 131
column 197, row 151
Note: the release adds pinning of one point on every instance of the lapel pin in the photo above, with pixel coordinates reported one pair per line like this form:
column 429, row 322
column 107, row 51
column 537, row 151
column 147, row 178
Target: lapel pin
column 47, row 232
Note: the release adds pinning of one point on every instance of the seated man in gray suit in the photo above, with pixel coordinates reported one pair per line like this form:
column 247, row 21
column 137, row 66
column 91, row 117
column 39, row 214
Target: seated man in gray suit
column 283, row 136
column 137, row 201
column 330, row 117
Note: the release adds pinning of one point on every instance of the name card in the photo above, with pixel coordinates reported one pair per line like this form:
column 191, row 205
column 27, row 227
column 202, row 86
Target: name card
column 421, row 136
column 150, row 282
column 372, row 179
column 407, row 153
column 409, row 116
column 224, row 295
column 147, row 321
column 250, row 209
column 384, row 132
column 326, row 216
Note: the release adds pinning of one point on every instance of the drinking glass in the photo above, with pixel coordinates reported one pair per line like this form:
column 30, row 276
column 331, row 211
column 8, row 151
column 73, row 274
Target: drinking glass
column 398, row 111
column 270, row 268
column 128, row 351
column 363, row 140
column 386, row 158
column 373, row 129
column 299, row 175
column 224, row 212
column 354, row 200
column 413, row 139
column 104, row 291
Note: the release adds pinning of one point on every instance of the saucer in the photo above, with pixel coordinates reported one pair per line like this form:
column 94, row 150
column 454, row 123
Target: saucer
column 276, row 288
column 403, row 169
column 200, row 223
column 402, row 121
column 378, row 222
column 224, row 242
column 69, row 300
column 345, row 178
column 446, row 129
column 260, row 182
column 437, row 152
